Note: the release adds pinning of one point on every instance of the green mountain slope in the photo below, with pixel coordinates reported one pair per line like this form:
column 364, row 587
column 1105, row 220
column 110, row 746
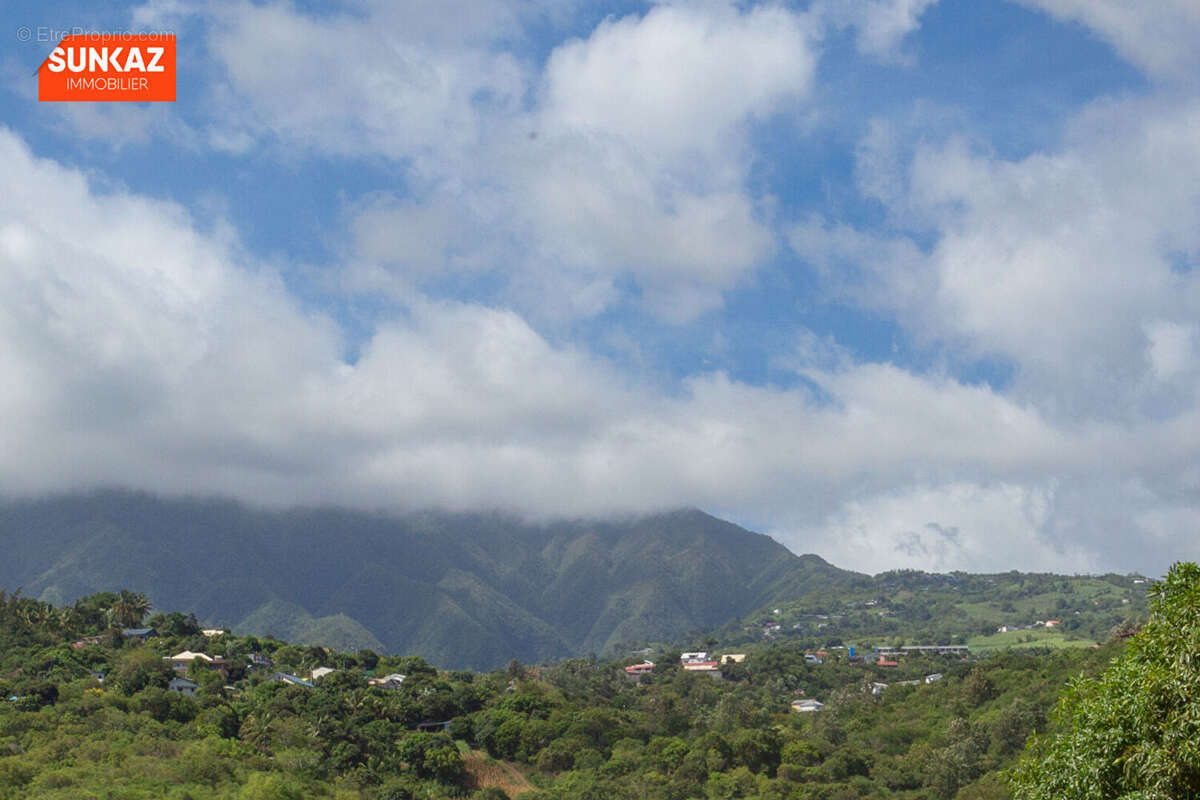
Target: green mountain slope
column 464, row 590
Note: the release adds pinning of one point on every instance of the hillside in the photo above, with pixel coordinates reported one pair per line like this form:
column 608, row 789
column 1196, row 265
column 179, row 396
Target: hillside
column 1009, row 610
column 464, row 590
column 87, row 712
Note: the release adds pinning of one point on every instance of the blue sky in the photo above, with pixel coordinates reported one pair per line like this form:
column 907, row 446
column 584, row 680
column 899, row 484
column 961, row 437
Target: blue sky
column 905, row 283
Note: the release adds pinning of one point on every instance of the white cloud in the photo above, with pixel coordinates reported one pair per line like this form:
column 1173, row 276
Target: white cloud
column 1159, row 37
column 956, row 525
column 632, row 160
column 1063, row 264
column 145, row 353
column 881, row 24
column 680, row 82
column 393, row 81
column 1172, row 348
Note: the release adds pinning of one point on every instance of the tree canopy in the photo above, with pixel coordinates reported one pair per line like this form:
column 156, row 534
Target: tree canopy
column 1134, row 731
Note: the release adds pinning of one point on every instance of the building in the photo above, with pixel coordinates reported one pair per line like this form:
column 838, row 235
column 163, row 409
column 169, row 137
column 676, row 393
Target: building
column 139, row 634
column 636, row 671
column 392, row 681
column 925, row 650
column 259, row 661
column 292, row 679
column 181, row 661
column 807, row 705
column 733, row 658
column 320, row 672
column 699, row 655
column 710, row 668
column 183, row 686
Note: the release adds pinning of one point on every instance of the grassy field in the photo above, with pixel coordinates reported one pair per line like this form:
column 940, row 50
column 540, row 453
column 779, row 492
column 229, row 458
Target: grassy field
column 1022, row 640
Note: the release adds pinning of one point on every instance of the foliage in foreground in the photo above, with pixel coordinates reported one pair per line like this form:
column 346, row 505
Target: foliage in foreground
column 1134, row 731
column 578, row 730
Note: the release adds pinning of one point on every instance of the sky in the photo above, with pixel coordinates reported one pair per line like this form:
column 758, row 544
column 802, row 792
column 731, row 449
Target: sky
column 903, row 283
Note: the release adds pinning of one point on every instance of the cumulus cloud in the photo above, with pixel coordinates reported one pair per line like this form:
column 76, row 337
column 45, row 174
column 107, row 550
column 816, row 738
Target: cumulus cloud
column 142, row 350
column 1160, row 39
column 629, row 160
column 148, row 353
column 881, row 25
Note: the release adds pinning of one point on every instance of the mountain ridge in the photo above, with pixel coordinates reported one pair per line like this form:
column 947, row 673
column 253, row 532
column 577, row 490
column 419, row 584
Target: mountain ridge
column 464, row 589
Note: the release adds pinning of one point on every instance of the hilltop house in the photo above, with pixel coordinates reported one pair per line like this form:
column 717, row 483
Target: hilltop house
column 393, row 681
column 181, row 661
column 183, row 686
column 636, row 671
column 807, row 705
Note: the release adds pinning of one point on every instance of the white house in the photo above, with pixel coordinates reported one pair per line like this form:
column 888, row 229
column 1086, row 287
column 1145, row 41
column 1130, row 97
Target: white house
column 181, row 661
column 807, row 705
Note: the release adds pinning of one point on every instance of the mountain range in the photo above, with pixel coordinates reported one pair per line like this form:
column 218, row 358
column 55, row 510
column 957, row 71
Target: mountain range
column 462, row 590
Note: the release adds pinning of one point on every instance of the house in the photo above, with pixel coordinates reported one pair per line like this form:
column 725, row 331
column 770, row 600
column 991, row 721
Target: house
column 878, row 688
column 433, row 727
column 86, row 641
column 883, row 662
column 1007, row 629
column 1053, row 623
column 391, row 682
column 733, row 658
column 934, row 678
column 183, row 686
column 710, row 668
column 700, row 655
column 813, row 658
column 292, row 679
column 181, row 661
column 636, row 671
column 140, row 634
column 320, row 672
column 211, row 632
column 807, row 705
column 259, row 661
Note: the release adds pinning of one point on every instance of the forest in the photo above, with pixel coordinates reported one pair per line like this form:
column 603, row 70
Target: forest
column 87, row 713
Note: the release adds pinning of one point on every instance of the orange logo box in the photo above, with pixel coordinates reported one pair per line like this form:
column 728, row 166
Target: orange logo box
column 114, row 67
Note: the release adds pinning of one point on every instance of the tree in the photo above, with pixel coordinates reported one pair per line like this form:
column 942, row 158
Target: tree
column 1135, row 730
column 137, row 669
column 130, row 609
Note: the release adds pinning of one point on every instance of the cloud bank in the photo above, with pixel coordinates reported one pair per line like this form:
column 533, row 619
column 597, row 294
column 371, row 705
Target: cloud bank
column 621, row 173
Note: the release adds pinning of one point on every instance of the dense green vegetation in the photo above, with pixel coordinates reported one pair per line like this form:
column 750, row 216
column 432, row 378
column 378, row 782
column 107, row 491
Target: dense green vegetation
column 910, row 607
column 1134, row 731
column 578, row 729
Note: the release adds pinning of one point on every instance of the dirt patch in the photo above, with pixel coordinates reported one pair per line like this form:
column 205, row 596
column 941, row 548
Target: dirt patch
column 483, row 772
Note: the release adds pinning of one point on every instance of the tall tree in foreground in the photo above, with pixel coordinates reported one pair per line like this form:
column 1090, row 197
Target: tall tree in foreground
column 1134, row 732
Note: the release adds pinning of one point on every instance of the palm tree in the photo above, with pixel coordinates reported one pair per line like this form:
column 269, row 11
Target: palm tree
column 130, row 609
